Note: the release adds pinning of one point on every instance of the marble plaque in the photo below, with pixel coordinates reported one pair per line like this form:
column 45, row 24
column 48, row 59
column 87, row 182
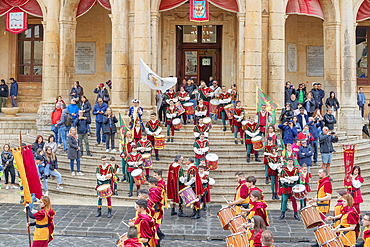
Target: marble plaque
column 85, row 58
column 315, row 61
column 292, row 57
column 108, row 57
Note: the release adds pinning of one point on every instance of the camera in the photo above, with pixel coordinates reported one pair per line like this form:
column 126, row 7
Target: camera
column 333, row 133
column 316, row 118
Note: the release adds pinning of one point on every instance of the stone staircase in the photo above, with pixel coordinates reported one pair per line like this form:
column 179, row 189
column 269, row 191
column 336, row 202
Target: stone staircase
column 232, row 158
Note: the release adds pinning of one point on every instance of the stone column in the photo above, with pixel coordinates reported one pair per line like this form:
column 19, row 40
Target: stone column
column 350, row 116
column 120, row 55
column 154, row 26
column 253, row 53
column 240, row 81
column 276, row 51
column 50, row 65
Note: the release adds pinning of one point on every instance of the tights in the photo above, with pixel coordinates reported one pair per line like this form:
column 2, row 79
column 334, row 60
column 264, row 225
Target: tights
column 284, row 202
column 170, row 127
column 236, row 129
column 100, row 202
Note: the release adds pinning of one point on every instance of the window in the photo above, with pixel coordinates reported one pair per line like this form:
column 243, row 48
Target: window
column 190, row 34
column 209, row 34
column 30, row 44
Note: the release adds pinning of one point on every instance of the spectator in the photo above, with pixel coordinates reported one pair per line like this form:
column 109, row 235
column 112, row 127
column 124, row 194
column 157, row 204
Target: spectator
column 99, row 110
column 51, row 143
column 286, row 114
column 63, row 128
column 60, row 100
column 7, row 163
column 13, row 92
column 305, row 154
column 290, row 132
column 361, row 100
column 51, row 167
column 332, row 102
column 234, row 93
column 85, row 107
column 310, row 104
column 327, row 138
column 319, row 119
column 110, row 130
column 102, row 93
column 293, row 102
column 4, row 91
column 73, row 151
column 315, row 95
column 289, row 90
column 295, row 147
column 296, row 124
column 302, row 118
column 211, row 80
column 300, row 94
column 76, row 92
column 297, row 111
column 39, row 143
column 267, row 238
column 55, row 118
column 82, row 124
column 321, row 95
column 306, row 135
column 161, row 105
column 190, row 87
column 315, row 125
column 73, row 111
column 329, row 119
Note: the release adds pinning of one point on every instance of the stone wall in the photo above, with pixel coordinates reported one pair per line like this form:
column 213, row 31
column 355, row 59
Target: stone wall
column 10, row 128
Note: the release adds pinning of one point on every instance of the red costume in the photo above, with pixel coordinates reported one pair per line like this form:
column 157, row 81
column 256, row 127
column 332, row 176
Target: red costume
column 263, row 120
column 132, row 242
column 199, row 144
column 259, row 208
column 173, row 182
column 305, row 180
column 324, row 188
column 197, row 186
column 137, row 133
column 256, row 240
column 155, row 200
column 357, row 181
column 207, row 192
column 146, row 227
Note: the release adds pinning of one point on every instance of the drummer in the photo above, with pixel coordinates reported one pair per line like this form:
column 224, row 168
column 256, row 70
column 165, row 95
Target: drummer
column 225, row 99
column 216, row 90
column 171, row 114
column 132, row 240
column 205, row 95
column 170, row 96
column 272, row 133
column 266, row 153
column 238, row 115
column 125, row 149
column 200, row 128
column 264, row 118
column 134, row 161
column 200, row 111
column 137, row 131
column 183, row 97
column 144, row 146
column 304, row 178
column 289, row 178
column 251, row 131
column 204, row 176
column 258, row 207
column 195, row 182
column 242, row 191
column 104, row 174
column 201, row 148
column 275, row 162
column 153, row 128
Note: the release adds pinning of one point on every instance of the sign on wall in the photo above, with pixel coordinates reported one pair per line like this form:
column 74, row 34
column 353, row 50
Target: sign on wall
column 85, row 58
column 292, row 57
column 315, row 61
column 108, row 57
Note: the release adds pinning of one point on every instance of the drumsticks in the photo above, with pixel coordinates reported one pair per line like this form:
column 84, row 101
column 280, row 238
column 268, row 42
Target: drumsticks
column 226, row 200
column 126, row 224
column 350, row 244
column 118, row 235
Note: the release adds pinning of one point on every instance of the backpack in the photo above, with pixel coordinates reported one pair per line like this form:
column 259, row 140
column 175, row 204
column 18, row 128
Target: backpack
column 68, row 121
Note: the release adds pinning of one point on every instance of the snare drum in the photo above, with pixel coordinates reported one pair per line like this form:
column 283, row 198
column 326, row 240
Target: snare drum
column 239, row 239
column 211, row 182
column 104, row 191
column 225, row 215
column 235, row 224
column 311, row 217
column 257, row 143
column 212, row 160
column 138, row 176
column 147, row 160
column 121, row 240
column 229, row 111
column 213, row 106
column 208, row 122
column 177, row 123
column 189, row 108
column 159, row 142
column 326, row 238
column 244, row 125
column 180, row 108
column 188, row 196
column 299, row 191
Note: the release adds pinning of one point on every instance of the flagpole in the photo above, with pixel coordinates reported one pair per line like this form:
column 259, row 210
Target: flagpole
column 28, row 221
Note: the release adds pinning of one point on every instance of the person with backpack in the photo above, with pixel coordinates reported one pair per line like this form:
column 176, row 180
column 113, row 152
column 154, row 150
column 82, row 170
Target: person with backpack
column 76, row 92
column 102, row 92
column 63, row 125
column 99, row 111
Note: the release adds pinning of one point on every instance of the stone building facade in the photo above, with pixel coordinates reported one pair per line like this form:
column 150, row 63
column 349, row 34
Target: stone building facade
column 258, row 45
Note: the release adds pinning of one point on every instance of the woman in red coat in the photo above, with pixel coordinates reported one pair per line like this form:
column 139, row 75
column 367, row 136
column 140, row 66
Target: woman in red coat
column 354, row 190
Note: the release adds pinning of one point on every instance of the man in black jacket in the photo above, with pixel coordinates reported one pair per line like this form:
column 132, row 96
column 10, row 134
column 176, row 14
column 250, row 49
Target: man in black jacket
column 327, row 138
column 329, row 119
column 81, row 124
column 289, row 90
column 4, row 92
column 316, row 95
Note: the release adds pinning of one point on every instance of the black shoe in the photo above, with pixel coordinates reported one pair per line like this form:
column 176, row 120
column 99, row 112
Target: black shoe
column 22, row 199
column 276, row 196
column 273, row 196
column 173, row 212
column 197, row 215
column 81, row 153
column 147, row 177
column 267, row 180
column 168, row 140
column 224, row 128
column 248, row 158
column 256, row 158
column 194, row 213
column 130, row 194
column 282, row 216
column 109, row 213
column 88, row 153
column 288, row 209
column 156, row 157
column 205, row 207
column 296, row 216
column 115, row 193
column 181, row 213
column 98, row 213
column 185, row 122
column 171, row 139
column 242, row 142
column 123, row 178
column 236, row 142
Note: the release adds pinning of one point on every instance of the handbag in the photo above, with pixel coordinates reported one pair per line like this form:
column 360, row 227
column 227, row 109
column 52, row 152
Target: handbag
column 106, row 97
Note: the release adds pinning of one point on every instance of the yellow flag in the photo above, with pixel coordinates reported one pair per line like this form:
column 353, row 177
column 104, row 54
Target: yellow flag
column 22, row 172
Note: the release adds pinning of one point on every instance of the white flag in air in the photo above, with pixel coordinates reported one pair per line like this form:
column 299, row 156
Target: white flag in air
column 148, row 77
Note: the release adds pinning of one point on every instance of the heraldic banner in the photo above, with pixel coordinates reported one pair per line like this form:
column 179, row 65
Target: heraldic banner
column 199, row 10
column 349, row 160
column 16, row 21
